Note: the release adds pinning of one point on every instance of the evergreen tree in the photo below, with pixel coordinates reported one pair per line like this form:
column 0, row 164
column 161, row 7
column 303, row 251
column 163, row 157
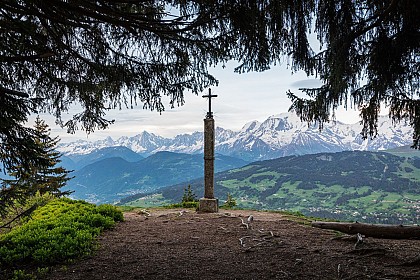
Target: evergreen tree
column 230, row 201
column 18, row 148
column 108, row 54
column 369, row 57
column 49, row 177
column 189, row 195
column 42, row 177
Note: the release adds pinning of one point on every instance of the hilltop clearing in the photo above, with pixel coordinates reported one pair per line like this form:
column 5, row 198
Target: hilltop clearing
column 183, row 244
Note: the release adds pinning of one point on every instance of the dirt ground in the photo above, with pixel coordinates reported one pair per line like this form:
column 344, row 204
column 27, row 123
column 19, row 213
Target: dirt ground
column 183, row 244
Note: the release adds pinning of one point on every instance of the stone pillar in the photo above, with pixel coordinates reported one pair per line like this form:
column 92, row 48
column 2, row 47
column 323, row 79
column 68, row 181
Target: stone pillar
column 209, row 140
column 209, row 203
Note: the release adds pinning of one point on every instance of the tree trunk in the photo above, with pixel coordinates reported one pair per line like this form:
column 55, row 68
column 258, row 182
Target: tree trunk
column 372, row 230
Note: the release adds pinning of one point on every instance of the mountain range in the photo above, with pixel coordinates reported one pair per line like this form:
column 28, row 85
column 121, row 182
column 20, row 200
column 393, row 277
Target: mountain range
column 109, row 178
column 109, row 170
column 278, row 136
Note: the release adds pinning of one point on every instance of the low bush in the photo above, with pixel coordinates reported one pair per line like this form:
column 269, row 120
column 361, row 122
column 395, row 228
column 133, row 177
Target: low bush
column 229, row 203
column 60, row 231
column 20, row 212
column 189, row 200
column 188, row 204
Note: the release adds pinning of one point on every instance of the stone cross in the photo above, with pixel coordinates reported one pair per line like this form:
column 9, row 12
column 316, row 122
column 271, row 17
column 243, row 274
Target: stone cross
column 209, row 203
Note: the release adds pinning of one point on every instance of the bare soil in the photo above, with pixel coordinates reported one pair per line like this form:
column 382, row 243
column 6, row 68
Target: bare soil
column 183, row 244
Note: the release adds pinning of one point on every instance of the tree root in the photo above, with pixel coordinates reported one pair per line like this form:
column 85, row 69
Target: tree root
column 414, row 262
column 258, row 238
column 144, row 212
column 244, row 224
column 182, row 212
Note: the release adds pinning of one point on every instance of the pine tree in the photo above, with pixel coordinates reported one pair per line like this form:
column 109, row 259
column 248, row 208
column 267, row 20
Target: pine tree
column 188, row 195
column 46, row 176
column 50, row 177
column 230, row 201
column 109, row 54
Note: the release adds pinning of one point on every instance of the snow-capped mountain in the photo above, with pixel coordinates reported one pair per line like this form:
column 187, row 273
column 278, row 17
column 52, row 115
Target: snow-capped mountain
column 279, row 135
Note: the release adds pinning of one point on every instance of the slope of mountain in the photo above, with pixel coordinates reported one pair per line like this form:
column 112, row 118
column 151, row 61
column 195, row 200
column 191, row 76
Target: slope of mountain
column 404, row 151
column 364, row 186
column 67, row 163
column 278, row 136
column 109, row 179
column 78, row 161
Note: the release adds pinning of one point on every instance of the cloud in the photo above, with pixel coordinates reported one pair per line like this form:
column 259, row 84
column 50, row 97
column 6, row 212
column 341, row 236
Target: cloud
column 307, row 83
column 241, row 98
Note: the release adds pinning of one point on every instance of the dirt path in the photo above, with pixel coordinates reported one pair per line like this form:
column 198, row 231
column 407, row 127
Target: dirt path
column 171, row 245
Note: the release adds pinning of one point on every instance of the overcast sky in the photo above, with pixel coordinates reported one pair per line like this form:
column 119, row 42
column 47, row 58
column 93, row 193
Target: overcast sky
column 241, row 98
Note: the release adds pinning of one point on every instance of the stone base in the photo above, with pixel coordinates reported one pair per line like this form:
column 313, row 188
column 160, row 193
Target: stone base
column 209, row 205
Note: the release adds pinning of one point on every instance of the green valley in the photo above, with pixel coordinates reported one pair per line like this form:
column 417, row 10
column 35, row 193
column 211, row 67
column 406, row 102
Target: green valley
column 363, row 186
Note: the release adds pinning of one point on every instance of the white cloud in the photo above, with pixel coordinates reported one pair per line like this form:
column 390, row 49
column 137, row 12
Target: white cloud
column 241, row 98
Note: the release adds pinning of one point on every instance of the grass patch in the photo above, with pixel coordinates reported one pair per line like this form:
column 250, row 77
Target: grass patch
column 58, row 232
column 241, row 169
column 232, row 184
column 188, row 204
column 154, row 200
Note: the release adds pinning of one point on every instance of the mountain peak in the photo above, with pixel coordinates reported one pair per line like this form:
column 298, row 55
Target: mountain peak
column 251, row 126
column 279, row 135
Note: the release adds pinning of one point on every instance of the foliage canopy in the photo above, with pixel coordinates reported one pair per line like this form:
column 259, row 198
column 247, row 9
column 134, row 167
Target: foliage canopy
column 108, row 54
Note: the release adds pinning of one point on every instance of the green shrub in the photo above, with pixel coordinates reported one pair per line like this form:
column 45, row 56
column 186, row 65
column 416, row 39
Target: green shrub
column 22, row 275
column 230, row 202
column 110, row 211
column 20, row 212
column 190, row 204
column 60, row 231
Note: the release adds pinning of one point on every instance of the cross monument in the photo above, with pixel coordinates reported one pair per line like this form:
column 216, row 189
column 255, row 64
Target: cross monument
column 209, row 203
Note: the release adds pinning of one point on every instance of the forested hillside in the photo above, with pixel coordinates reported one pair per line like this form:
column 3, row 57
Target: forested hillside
column 368, row 186
column 110, row 179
